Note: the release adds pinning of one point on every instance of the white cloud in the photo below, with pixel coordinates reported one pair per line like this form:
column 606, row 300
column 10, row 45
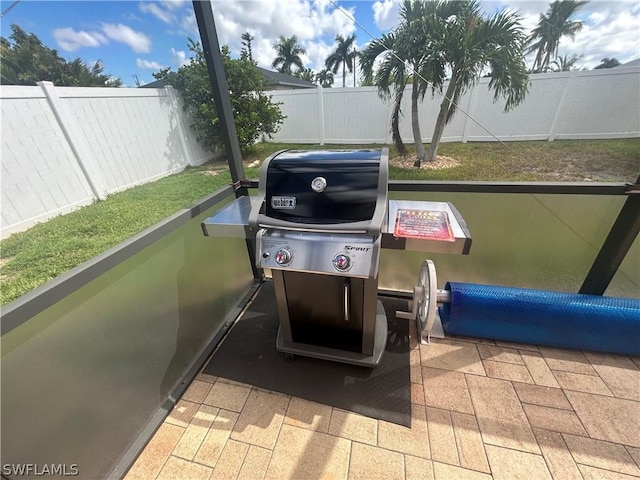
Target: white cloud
column 178, row 14
column 262, row 52
column 174, row 4
column 154, row 9
column 148, row 64
column 138, row 41
column 317, row 52
column 386, row 14
column 315, row 23
column 189, row 25
column 179, row 57
column 616, row 35
column 70, row 40
column 597, row 17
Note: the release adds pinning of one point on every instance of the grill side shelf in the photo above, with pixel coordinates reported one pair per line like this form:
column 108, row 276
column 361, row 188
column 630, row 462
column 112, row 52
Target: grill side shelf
column 231, row 220
column 422, row 227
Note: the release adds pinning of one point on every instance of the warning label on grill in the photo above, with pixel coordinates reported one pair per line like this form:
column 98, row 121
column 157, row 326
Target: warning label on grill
column 425, row 224
column 283, row 203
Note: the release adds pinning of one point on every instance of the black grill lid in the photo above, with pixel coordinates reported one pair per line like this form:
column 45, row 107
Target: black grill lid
column 326, row 190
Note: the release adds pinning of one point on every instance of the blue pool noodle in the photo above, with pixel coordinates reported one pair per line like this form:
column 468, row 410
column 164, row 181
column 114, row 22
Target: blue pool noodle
column 568, row 320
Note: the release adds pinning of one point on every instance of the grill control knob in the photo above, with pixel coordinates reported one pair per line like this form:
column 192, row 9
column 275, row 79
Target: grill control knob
column 283, row 257
column 341, row 262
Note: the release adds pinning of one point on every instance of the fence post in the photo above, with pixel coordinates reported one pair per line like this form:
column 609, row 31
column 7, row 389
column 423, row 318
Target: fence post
column 552, row 130
column 176, row 112
column 321, row 132
column 81, row 151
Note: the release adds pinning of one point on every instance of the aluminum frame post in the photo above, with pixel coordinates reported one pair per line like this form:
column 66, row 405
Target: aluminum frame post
column 621, row 236
column 220, row 91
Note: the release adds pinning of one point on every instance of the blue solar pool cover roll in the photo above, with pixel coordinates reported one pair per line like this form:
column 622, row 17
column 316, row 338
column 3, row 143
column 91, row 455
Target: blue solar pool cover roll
column 570, row 320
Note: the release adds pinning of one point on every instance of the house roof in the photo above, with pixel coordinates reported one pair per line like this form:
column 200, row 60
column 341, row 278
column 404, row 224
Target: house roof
column 277, row 78
column 155, row 84
column 632, row 63
column 271, row 78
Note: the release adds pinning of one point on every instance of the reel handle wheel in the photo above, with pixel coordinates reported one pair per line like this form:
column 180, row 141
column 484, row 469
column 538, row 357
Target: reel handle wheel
column 426, row 296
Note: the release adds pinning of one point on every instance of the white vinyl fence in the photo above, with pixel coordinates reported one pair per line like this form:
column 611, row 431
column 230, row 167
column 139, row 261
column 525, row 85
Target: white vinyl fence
column 64, row 147
column 563, row 105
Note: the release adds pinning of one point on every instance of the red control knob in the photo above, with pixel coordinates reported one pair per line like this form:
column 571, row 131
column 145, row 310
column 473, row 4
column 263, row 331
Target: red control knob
column 341, row 262
column 283, row 257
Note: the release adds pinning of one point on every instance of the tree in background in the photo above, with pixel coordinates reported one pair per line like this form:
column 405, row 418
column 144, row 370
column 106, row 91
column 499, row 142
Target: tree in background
column 77, row 74
column 607, row 62
column 26, row 61
column 324, row 78
column 406, row 58
column 355, row 58
column 247, row 38
column 471, row 44
column 343, row 56
column 565, row 63
column 435, row 38
column 254, row 113
column 397, row 66
column 552, row 25
column 306, row 74
column 288, row 53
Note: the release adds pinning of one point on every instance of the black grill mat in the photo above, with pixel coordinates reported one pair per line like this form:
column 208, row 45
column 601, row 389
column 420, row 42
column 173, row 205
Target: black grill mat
column 248, row 354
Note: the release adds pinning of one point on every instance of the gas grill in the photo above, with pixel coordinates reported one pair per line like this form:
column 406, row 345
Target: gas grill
column 320, row 219
column 318, row 222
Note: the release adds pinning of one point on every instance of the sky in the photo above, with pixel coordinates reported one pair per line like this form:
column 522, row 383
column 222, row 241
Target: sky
column 133, row 39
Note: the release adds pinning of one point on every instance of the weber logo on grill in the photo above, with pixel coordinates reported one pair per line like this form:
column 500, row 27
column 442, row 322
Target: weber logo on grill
column 283, row 203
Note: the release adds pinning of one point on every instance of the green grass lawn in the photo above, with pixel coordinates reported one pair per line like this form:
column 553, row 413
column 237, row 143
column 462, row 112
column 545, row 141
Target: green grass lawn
column 29, row 259
column 32, row 257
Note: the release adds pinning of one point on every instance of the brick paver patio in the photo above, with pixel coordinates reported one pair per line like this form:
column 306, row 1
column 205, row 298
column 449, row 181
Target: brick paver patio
column 480, row 410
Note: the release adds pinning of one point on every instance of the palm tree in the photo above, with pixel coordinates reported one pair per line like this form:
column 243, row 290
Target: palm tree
column 552, row 25
column 355, row 57
column 77, row 74
column 288, row 53
column 324, row 78
column 406, row 56
column 435, row 38
column 306, row 74
column 472, row 44
column 565, row 63
column 342, row 56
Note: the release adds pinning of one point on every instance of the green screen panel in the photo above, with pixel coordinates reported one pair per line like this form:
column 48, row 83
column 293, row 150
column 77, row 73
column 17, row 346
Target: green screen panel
column 626, row 282
column 81, row 379
column 538, row 241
